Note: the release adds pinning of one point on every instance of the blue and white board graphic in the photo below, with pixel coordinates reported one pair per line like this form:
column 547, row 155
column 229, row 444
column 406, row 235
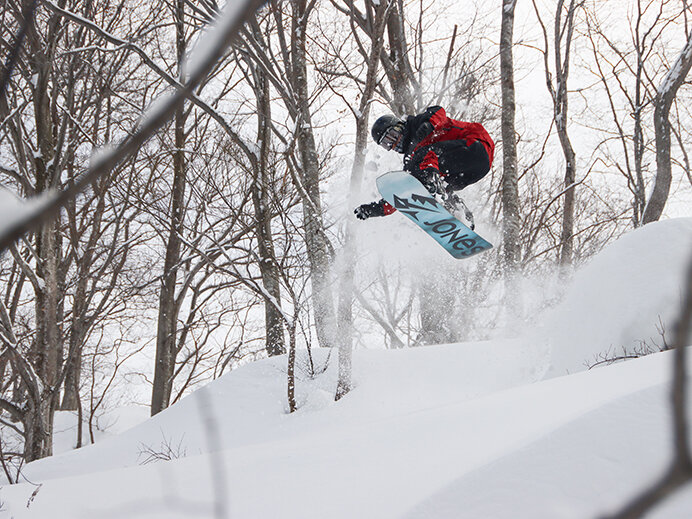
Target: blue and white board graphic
column 408, row 196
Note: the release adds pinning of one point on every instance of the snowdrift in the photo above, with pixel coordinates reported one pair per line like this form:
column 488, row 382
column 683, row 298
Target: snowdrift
column 452, row 431
column 621, row 299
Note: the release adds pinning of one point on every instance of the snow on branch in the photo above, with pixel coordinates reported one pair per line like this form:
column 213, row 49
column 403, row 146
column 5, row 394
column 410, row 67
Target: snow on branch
column 677, row 73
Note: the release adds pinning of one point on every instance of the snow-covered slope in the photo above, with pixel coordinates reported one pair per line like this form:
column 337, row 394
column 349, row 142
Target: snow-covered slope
column 621, row 297
column 452, row 431
column 560, row 447
column 249, row 406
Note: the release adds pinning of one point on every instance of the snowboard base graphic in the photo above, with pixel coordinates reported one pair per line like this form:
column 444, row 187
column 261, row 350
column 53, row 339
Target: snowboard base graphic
column 408, row 196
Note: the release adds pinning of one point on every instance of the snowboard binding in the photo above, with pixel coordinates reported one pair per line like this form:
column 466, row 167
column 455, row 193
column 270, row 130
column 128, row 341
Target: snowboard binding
column 449, row 200
column 456, row 205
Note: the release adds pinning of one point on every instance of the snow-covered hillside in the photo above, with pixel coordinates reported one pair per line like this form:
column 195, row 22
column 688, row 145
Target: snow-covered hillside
column 622, row 297
column 477, row 430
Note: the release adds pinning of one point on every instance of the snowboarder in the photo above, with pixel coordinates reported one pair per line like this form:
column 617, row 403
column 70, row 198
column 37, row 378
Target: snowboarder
column 444, row 154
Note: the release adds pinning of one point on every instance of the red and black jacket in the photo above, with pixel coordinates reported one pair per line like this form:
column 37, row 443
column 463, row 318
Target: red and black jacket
column 460, row 152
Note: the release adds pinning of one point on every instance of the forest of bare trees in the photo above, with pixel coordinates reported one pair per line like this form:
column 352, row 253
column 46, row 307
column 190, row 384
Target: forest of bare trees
column 192, row 196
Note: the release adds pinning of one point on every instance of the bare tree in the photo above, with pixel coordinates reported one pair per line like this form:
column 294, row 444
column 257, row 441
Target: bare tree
column 101, row 240
column 241, row 270
column 563, row 33
column 628, row 72
column 665, row 96
column 317, row 242
column 510, row 182
column 166, row 335
column 287, row 69
column 378, row 13
column 261, row 191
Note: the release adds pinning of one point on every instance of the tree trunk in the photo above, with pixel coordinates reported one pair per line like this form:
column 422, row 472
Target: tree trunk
column 349, row 253
column 48, row 342
column 73, row 367
column 510, row 183
column 166, row 333
column 664, row 99
column 48, row 349
column 274, row 323
column 567, row 234
column 38, row 430
column 562, row 40
column 560, row 115
column 291, row 369
column 398, row 66
column 639, row 202
column 315, row 236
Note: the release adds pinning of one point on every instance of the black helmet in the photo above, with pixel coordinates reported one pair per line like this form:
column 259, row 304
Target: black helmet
column 382, row 125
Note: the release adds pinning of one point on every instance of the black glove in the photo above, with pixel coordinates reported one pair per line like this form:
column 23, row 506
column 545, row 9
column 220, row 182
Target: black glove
column 365, row 211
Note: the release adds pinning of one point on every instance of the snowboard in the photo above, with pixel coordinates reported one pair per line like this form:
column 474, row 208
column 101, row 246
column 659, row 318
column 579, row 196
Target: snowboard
column 408, row 196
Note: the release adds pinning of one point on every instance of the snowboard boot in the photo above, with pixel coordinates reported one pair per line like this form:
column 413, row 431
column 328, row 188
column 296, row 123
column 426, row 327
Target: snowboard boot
column 432, row 182
column 455, row 205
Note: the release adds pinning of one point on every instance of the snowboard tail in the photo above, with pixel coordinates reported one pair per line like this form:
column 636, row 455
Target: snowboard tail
column 406, row 194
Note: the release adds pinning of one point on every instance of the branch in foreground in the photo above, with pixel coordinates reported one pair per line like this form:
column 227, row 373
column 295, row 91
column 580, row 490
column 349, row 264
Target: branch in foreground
column 203, row 60
column 680, row 471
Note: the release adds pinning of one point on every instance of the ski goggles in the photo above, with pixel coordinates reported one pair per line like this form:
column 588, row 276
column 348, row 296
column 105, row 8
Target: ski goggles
column 391, row 137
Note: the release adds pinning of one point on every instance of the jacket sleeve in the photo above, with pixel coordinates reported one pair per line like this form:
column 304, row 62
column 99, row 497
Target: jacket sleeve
column 424, row 164
column 438, row 117
column 424, row 124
